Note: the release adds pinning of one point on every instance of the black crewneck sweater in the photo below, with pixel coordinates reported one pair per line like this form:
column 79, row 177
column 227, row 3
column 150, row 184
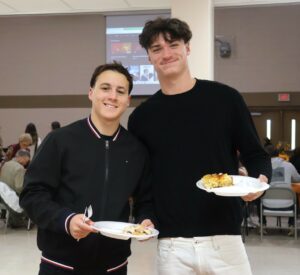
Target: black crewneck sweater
column 189, row 135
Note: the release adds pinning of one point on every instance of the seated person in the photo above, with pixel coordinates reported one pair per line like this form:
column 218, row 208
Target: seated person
column 25, row 140
column 295, row 159
column 13, row 171
column 36, row 140
column 282, row 172
column 12, row 174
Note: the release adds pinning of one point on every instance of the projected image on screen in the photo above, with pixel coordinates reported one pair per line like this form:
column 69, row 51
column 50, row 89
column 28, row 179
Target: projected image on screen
column 122, row 44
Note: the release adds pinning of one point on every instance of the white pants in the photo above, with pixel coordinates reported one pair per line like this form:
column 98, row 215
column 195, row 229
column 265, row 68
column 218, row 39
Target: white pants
column 221, row 255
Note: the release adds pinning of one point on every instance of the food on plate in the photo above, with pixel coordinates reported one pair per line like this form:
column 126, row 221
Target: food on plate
column 137, row 229
column 217, row 180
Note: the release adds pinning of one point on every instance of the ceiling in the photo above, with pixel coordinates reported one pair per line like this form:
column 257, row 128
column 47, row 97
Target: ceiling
column 23, row 7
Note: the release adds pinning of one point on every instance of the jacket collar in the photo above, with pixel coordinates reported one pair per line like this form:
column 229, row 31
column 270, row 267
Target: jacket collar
column 98, row 134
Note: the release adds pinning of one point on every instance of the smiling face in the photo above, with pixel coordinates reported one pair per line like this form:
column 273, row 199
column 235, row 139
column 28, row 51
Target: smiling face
column 169, row 57
column 109, row 97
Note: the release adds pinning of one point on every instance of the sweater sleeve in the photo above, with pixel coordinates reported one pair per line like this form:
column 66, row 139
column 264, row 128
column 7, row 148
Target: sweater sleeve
column 253, row 156
column 142, row 198
column 41, row 182
column 294, row 173
column 131, row 123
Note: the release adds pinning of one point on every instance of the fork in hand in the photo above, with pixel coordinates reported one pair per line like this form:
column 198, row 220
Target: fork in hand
column 88, row 212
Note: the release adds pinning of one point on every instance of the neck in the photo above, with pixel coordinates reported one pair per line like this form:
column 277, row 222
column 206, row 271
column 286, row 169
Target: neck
column 177, row 84
column 107, row 128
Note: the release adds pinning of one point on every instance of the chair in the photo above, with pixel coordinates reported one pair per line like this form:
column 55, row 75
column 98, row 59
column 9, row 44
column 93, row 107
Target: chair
column 296, row 188
column 279, row 201
column 9, row 202
column 6, row 217
column 247, row 219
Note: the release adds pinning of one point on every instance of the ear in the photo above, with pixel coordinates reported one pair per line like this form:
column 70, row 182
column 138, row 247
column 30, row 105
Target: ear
column 90, row 94
column 129, row 99
column 149, row 59
column 188, row 48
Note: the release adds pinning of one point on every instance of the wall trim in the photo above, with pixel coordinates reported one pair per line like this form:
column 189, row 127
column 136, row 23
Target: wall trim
column 264, row 100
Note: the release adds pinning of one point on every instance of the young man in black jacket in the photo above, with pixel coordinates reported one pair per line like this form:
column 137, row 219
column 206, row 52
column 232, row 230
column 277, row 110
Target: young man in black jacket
column 194, row 127
column 93, row 161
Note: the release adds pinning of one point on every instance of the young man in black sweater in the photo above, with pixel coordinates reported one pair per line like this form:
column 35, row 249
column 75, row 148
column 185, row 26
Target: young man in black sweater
column 194, row 127
column 93, row 161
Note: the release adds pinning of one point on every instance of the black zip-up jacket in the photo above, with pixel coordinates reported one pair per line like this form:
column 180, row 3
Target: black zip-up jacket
column 75, row 167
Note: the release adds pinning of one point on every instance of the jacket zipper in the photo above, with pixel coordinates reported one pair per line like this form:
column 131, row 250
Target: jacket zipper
column 104, row 195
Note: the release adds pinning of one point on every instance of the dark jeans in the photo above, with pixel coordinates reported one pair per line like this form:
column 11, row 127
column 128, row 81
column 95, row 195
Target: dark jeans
column 49, row 269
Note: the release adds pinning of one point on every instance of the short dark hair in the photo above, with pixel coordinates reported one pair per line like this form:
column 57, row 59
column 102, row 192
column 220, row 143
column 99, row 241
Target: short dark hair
column 170, row 28
column 55, row 125
column 116, row 67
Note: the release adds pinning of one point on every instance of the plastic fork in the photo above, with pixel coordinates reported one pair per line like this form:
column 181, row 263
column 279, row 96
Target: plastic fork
column 88, row 212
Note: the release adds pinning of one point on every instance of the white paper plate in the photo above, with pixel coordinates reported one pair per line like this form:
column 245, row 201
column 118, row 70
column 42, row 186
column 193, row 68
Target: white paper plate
column 241, row 186
column 115, row 230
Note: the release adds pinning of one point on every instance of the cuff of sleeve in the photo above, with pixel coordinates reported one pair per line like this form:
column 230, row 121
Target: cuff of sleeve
column 62, row 220
column 67, row 222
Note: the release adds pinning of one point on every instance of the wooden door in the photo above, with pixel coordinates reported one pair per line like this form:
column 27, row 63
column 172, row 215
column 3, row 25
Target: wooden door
column 260, row 119
column 287, row 127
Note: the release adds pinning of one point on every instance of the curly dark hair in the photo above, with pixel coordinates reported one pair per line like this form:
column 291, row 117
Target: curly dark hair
column 114, row 66
column 171, row 29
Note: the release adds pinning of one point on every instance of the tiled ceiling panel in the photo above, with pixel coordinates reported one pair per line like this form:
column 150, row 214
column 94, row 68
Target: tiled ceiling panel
column 14, row 7
column 163, row 4
column 97, row 5
column 36, row 6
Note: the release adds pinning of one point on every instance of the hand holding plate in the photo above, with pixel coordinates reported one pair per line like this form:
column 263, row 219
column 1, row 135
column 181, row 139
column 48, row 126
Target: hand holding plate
column 256, row 195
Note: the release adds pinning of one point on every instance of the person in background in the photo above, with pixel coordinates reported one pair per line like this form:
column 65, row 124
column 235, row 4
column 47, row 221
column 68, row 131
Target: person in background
column 282, row 172
column 12, row 174
column 295, row 159
column 55, row 125
column 93, row 161
column 267, row 142
column 25, row 141
column 36, row 140
column 13, row 171
column 191, row 128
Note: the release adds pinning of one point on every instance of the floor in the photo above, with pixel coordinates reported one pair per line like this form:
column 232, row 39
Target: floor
column 277, row 254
